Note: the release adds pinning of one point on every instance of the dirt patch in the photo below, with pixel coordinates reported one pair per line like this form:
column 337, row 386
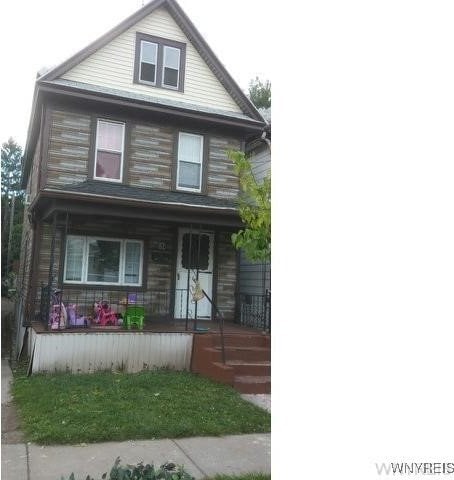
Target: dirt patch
column 8, row 327
column 10, row 419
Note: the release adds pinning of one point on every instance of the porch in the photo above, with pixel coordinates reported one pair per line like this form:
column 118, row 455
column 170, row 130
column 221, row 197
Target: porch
column 226, row 352
column 174, row 326
column 232, row 352
column 71, row 310
column 118, row 292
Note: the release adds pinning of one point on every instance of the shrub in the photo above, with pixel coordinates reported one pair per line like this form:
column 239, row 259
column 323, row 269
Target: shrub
column 168, row 471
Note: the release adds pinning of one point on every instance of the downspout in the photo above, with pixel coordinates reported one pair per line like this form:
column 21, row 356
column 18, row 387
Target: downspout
column 267, row 140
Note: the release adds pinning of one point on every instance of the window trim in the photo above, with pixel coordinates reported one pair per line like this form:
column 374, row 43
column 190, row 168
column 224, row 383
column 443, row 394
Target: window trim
column 161, row 43
column 85, row 254
column 122, row 153
column 202, row 155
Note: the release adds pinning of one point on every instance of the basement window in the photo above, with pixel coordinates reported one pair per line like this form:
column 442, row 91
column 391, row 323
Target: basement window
column 159, row 62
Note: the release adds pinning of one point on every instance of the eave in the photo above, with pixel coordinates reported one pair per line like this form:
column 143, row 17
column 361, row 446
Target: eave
column 53, row 200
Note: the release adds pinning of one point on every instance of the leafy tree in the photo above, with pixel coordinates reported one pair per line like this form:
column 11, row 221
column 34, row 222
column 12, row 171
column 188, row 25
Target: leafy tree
column 12, row 202
column 254, row 209
column 260, row 93
column 11, row 167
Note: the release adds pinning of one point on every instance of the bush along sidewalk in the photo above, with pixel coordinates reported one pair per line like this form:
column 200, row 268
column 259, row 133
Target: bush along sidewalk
column 168, row 471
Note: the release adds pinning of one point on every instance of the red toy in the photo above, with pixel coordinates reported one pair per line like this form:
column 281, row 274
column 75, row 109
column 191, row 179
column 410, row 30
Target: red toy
column 104, row 314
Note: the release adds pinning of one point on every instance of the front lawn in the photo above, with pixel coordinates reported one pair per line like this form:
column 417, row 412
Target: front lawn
column 98, row 407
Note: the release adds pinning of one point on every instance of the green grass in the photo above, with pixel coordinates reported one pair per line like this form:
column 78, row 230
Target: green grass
column 64, row 408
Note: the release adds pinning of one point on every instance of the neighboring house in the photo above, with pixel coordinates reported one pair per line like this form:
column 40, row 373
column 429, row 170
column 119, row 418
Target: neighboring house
column 131, row 195
column 255, row 277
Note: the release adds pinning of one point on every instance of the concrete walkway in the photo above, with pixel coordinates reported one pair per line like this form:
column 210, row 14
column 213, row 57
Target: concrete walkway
column 201, row 456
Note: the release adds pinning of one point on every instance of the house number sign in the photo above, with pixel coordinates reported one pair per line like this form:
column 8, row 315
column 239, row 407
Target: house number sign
column 160, row 251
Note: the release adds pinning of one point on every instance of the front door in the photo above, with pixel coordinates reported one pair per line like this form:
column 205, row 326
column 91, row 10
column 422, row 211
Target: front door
column 194, row 261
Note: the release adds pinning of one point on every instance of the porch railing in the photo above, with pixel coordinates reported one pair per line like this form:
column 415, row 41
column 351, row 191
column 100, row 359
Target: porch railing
column 255, row 310
column 82, row 302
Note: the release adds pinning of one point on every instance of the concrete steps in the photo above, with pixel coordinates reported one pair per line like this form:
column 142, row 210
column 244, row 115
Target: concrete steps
column 252, row 384
column 258, row 367
column 248, row 360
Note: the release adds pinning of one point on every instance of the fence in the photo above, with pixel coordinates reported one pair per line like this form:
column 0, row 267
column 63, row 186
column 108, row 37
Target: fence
column 255, row 310
column 78, row 307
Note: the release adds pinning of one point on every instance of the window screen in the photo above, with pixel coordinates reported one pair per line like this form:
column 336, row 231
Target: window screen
column 148, row 61
column 190, row 150
column 74, row 259
column 109, row 150
column 171, row 67
column 196, row 251
column 103, row 261
column 132, row 262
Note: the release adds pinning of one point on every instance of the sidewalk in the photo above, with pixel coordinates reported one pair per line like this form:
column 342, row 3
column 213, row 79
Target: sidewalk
column 201, row 456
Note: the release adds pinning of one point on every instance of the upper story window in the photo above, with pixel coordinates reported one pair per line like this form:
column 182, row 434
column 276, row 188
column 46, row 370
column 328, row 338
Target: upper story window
column 148, row 62
column 109, row 151
column 159, row 62
column 171, row 67
column 190, row 160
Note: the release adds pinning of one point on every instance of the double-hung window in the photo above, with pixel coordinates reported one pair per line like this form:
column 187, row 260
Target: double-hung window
column 109, row 150
column 148, row 62
column 103, row 261
column 171, row 67
column 190, row 160
column 159, row 62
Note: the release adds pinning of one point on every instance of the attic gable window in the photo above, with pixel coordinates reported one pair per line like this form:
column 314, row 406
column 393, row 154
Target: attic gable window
column 148, row 61
column 171, row 68
column 159, row 62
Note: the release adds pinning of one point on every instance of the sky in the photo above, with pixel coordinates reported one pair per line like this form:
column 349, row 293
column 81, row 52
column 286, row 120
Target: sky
column 50, row 31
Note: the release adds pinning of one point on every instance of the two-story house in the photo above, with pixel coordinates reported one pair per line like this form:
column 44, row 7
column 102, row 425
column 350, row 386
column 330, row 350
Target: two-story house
column 132, row 197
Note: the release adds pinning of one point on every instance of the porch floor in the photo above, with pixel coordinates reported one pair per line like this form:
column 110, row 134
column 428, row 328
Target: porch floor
column 205, row 326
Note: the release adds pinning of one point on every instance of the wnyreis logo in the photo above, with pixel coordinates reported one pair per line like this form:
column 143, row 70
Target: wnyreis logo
column 422, row 468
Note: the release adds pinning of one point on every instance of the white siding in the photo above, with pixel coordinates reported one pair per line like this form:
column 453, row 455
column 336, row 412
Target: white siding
column 113, row 66
column 90, row 352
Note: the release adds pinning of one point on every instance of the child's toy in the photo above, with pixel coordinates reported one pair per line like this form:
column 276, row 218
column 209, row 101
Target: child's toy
column 57, row 315
column 104, row 314
column 75, row 320
column 134, row 315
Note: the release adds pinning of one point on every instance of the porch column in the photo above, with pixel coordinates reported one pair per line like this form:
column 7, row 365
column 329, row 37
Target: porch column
column 45, row 302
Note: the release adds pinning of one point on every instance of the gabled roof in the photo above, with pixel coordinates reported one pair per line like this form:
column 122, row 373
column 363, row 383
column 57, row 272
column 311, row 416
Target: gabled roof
column 188, row 29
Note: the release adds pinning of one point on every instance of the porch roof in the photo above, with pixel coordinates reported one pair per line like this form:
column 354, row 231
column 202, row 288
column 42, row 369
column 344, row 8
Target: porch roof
column 115, row 200
column 120, row 191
